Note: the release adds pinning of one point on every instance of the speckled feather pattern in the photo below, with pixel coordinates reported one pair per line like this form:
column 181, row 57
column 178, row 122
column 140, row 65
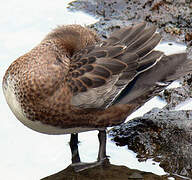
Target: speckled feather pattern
column 72, row 77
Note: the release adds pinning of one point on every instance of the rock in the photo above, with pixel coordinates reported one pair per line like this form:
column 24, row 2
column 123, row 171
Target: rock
column 135, row 176
column 162, row 135
column 111, row 172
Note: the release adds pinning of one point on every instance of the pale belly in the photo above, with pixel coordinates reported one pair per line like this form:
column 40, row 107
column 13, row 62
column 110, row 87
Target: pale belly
column 35, row 125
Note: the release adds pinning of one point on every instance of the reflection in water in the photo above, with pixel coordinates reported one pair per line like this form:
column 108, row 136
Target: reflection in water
column 164, row 136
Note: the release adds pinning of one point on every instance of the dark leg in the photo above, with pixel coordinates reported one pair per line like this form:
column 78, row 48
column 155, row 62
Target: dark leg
column 102, row 145
column 101, row 160
column 74, row 148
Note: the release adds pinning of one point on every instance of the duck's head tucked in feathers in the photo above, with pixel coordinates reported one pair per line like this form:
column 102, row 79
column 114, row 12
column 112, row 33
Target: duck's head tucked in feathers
column 73, row 37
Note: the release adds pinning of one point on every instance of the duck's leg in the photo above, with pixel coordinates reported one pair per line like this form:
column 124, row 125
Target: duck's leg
column 74, row 148
column 102, row 145
column 101, row 160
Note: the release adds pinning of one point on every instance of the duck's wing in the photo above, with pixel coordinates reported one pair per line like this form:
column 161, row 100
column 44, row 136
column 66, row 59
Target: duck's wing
column 151, row 82
column 99, row 73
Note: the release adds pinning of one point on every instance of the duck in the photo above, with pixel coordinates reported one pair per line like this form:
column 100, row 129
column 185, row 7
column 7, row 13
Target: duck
column 73, row 81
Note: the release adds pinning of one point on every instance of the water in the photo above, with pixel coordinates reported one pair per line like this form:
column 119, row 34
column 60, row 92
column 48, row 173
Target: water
column 26, row 153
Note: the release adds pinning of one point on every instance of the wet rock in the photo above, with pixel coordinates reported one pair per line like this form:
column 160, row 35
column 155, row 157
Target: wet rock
column 188, row 36
column 172, row 16
column 111, row 172
column 165, row 136
column 176, row 96
column 135, row 176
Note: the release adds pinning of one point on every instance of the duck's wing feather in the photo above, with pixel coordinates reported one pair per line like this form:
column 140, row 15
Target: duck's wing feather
column 151, row 82
column 100, row 72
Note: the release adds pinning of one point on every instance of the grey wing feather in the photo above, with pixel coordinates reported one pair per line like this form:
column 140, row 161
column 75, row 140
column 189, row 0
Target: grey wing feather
column 148, row 84
column 99, row 73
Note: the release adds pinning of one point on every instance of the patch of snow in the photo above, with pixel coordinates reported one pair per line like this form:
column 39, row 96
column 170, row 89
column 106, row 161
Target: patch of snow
column 171, row 48
column 186, row 105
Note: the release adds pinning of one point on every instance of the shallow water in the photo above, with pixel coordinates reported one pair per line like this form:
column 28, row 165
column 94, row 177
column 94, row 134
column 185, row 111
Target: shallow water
column 28, row 154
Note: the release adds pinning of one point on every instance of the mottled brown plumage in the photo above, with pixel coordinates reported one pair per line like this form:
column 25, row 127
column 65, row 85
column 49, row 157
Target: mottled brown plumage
column 72, row 78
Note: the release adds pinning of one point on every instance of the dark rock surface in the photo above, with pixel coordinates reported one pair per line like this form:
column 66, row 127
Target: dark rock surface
column 165, row 136
column 175, row 96
column 110, row 172
column 173, row 18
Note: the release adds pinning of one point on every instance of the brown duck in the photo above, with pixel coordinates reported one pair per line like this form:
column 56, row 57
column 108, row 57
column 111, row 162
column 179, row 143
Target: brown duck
column 73, row 82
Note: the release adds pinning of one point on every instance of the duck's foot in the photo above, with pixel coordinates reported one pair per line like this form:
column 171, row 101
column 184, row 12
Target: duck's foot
column 83, row 166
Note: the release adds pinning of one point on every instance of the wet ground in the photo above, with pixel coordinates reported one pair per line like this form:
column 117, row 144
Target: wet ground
column 108, row 172
column 161, row 135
